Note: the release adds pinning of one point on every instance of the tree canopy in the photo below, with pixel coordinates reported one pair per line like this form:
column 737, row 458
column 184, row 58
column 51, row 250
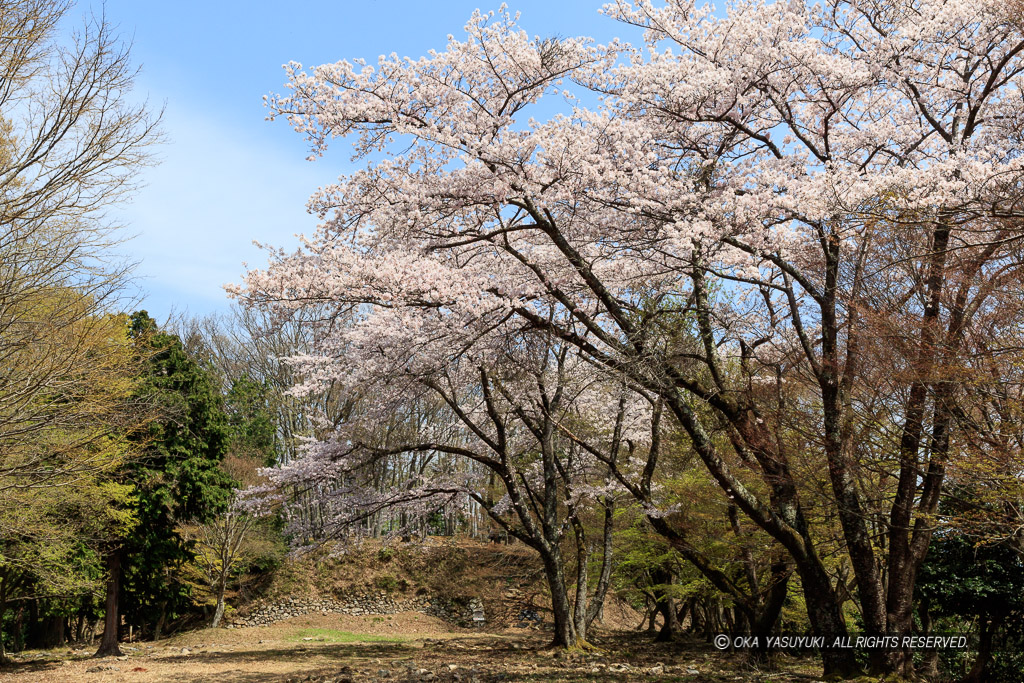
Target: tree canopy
column 821, row 195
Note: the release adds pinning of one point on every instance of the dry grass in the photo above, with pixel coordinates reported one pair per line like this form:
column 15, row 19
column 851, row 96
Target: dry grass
column 407, row 647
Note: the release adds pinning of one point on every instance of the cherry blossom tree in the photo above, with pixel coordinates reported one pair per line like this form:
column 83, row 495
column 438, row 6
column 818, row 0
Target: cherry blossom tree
column 498, row 406
column 634, row 466
column 825, row 197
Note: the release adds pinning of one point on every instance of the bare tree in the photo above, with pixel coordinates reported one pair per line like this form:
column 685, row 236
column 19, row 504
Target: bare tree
column 70, row 146
column 220, row 544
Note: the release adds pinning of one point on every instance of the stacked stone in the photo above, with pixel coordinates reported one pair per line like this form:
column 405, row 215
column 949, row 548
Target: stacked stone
column 356, row 605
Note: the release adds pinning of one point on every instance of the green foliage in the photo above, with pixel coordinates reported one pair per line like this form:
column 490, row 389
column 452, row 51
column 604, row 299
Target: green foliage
column 179, row 477
column 51, row 546
column 251, row 420
column 960, row 579
column 977, row 587
column 331, row 635
column 58, row 505
column 386, row 583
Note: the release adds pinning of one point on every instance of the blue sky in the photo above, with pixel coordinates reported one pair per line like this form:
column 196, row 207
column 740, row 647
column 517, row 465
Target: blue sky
column 226, row 176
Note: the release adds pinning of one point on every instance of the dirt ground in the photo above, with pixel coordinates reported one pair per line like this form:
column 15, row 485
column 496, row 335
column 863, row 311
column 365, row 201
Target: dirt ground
column 403, row 647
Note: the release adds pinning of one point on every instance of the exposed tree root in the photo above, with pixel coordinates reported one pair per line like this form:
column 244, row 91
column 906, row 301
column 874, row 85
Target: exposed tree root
column 582, row 645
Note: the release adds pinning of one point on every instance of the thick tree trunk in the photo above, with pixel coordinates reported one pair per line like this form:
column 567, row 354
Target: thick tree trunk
column 826, row 619
column 670, row 627
column 51, row 632
column 108, row 645
column 665, row 604
column 565, row 633
column 765, row 619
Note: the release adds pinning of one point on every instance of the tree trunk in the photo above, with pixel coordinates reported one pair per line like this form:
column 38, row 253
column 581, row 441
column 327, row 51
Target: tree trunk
column 930, row 658
column 768, row 615
column 908, row 539
column 3, row 611
column 826, row 620
column 32, row 628
column 669, row 629
column 652, row 619
column 665, row 604
column 218, row 613
column 579, row 608
column 18, row 637
column 699, row 618
column 158, row 629
column 51, row 632
column 79, row 626
column 987, row 631
column 682, row 614
column 108, row 645
column 565, row 633
column 595, row 610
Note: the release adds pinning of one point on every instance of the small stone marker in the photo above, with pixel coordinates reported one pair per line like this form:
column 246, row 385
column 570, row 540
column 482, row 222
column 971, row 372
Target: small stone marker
column 478, row 612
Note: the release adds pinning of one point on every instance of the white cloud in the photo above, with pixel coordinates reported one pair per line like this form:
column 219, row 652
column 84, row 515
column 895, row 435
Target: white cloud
column 218, row 188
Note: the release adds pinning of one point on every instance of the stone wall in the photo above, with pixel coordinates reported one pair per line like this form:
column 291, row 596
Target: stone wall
column 264, row 613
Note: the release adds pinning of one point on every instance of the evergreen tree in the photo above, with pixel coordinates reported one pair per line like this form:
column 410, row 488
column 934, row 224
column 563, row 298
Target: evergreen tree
column 178, row 479
column 964, row 587
column 251, row 420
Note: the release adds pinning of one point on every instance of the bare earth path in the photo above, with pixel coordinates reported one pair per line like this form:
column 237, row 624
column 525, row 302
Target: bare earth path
column 403, row 647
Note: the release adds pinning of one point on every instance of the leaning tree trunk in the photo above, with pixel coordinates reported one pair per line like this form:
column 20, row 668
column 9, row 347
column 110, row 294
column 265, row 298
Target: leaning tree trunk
column 108, row 645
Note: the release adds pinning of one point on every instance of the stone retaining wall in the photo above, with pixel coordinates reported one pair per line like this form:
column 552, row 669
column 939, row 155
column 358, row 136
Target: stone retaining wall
column 266, row 613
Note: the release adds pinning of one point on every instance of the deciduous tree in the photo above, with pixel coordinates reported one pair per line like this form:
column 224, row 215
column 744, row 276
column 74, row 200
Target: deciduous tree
column 825, row 190
column 70, row 145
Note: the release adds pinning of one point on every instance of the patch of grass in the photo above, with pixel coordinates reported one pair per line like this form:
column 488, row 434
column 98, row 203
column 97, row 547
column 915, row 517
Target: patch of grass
column 330, row 635
column 386, row 582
